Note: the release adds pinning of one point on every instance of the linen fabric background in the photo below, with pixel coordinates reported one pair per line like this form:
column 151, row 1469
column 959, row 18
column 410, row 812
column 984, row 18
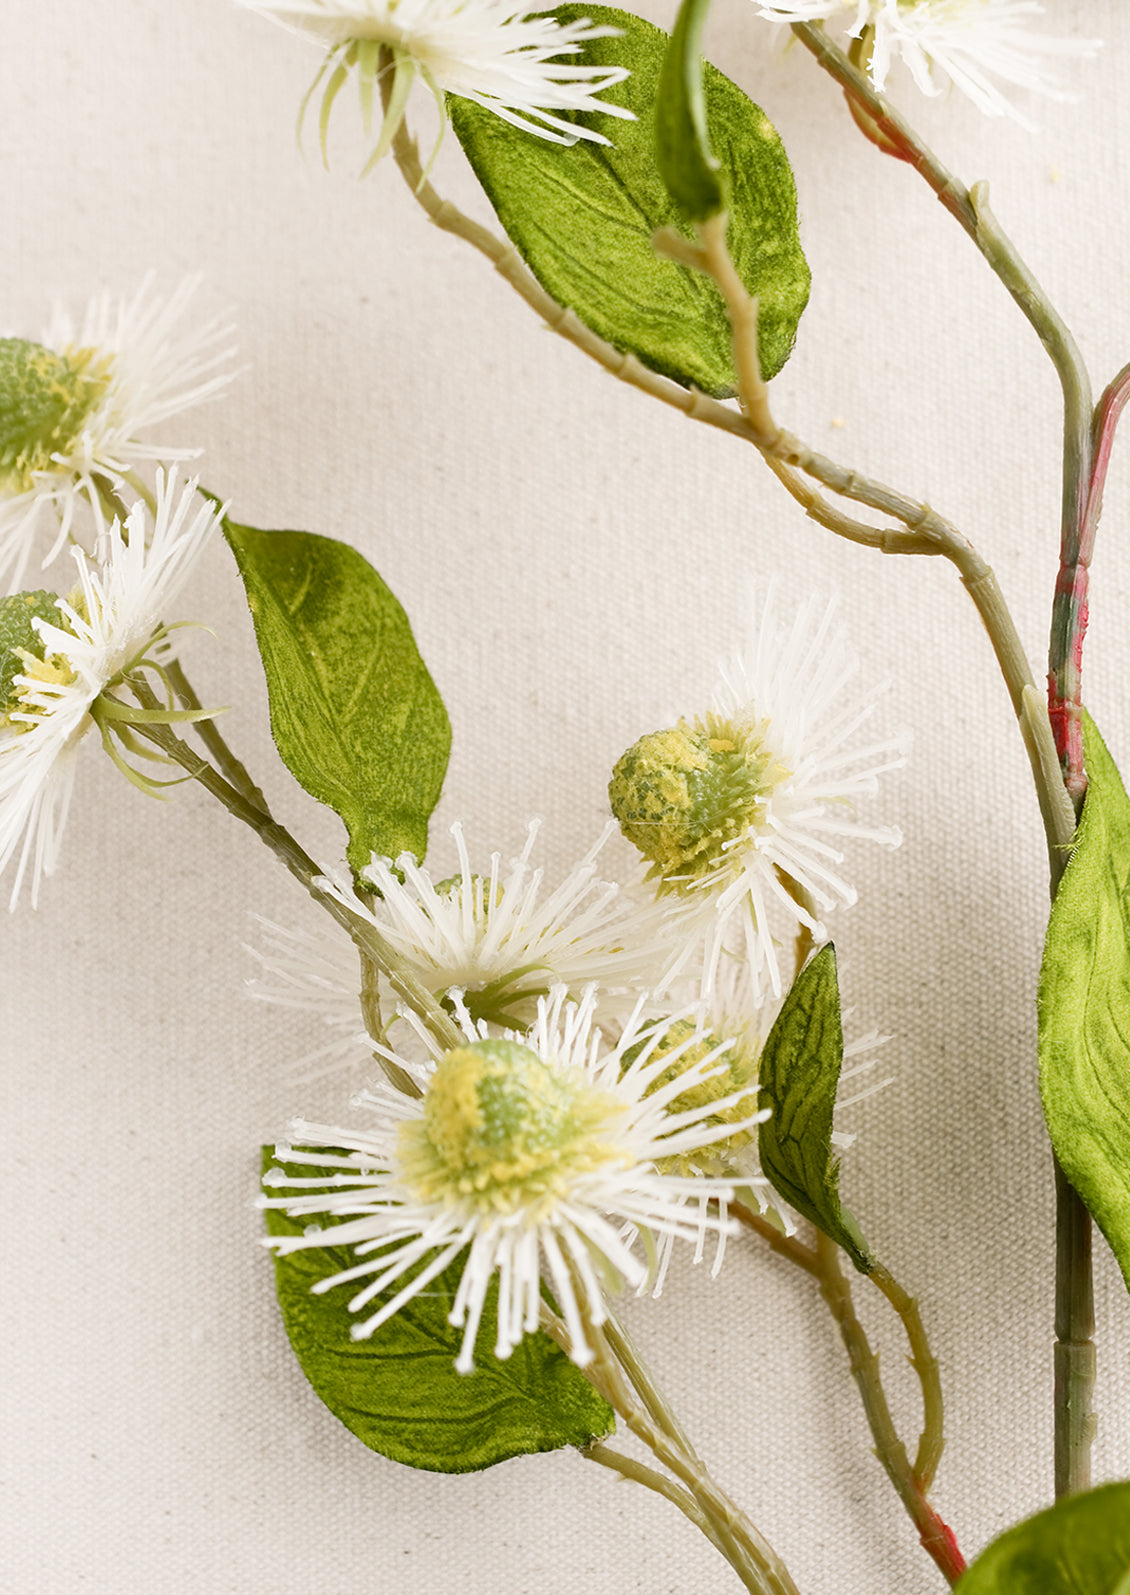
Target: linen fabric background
column 575, row 560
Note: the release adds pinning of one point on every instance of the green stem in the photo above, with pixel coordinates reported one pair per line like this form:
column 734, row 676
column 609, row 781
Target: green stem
column 1074, row 1348
column 750, row 1555
column 290, row 853
column 931, row 1442
column 639, row 1473
column 1085, row 435
column 937, row 1539
column 230, row 767
column 624, row 1350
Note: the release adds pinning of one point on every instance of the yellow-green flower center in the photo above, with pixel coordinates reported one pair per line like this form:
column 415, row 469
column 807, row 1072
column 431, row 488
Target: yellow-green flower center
column 739, row 1072
column 502, row 1130
column 22, row 654
column 684, row 794
column 46, row 399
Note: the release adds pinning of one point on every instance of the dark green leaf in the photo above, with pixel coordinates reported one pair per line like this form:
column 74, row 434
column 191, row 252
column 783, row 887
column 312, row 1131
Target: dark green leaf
column 583, row 217
column 1081, row 1546
column 800, row 1072
column 399, row 1393
column 1085, row 1005
column 682, row 139
column 354, row 713
column 17, row 631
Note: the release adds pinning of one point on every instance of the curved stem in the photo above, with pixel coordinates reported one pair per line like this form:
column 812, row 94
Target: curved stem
column 936, row 1537
column 1061, row 723
column 931, row 1442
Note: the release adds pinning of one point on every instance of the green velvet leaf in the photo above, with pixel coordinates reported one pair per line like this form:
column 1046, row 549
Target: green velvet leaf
column 800, row 1073
column 354, row 713
column 17, row 631
column 1080, row 1546
column 682, row 140
column 1084, row 1005
column 399, row 1393
column 583, row 217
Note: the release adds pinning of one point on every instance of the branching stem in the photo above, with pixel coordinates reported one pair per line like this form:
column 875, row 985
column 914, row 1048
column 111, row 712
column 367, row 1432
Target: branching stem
column 912, row 1483
column 750, row 1555
column 937, row 1539
column 366, row 937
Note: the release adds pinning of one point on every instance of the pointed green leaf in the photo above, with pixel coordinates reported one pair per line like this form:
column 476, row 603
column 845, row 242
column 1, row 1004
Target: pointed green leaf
column 583, row 217
column 682, row 140
column 399, row 1393
column 800, row 1073
column 1081, row 1546
column 354, row 713
column 1084, row 1005
column 17, row 632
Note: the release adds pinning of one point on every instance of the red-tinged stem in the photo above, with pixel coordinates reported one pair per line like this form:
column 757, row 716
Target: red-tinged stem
column 1069, row 607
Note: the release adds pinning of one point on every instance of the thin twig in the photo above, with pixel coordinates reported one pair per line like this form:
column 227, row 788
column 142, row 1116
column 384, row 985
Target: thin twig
column 231, row 768
column 937, row 1539
column 748, row 1552
column 290, row 852
column 931, row 1442
column 639, row 1473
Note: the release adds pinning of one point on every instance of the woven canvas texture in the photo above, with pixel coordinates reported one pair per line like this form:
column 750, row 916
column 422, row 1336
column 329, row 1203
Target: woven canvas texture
column 574, row 559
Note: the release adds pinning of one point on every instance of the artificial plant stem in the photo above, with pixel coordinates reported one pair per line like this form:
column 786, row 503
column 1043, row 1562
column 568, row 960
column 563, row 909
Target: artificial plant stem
column 367, row 938
column 923, row 1361
column 970, row 207
column 937, row 1539
column 230, row 767
column 639, row 1473
column 627, row 1355
column 924, row 525
column 1070, row 603
column 1074, row 1341
column 931, row 1442
column 787, row 1245
column 748, row 1552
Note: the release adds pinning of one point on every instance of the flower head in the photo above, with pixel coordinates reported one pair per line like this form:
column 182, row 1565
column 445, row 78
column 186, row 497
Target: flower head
column 502, row 55
column 72, row 408
column 738, row 811
column 970, row 42
column 59, row 657
column 523, row 1151
column 501, row 939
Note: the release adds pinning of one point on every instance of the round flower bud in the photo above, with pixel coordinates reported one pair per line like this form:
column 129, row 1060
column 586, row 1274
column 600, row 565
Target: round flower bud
column 501, row 1127
column 682, row 795
column 46, row 399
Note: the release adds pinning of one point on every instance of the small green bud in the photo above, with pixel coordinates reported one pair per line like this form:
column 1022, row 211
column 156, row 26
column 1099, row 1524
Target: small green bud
column 501, row 1129
column 682, row 794
column 46, row 399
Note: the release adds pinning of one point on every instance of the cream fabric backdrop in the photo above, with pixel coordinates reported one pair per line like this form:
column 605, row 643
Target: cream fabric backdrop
column 574, row 561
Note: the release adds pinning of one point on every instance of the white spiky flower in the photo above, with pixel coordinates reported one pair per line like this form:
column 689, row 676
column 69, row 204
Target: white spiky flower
column 59, row 658
column 741, row 811
column 502, row 55
column 74, row 407
column 975, row 44
column 523, row 1152
column 501, row 938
